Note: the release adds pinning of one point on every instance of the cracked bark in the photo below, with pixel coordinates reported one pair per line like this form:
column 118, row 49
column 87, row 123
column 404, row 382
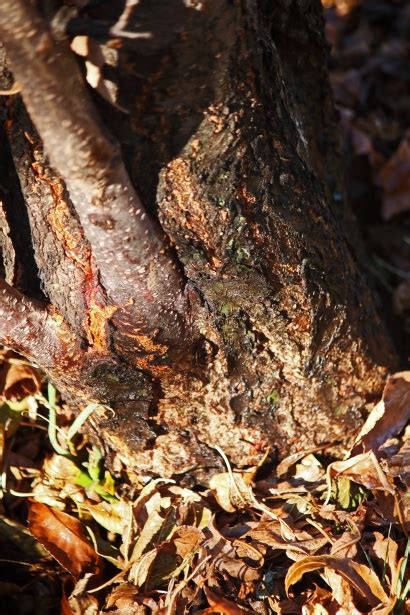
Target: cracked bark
column 242, row 320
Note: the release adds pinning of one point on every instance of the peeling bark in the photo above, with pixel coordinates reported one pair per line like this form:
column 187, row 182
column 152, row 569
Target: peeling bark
column 241, row 320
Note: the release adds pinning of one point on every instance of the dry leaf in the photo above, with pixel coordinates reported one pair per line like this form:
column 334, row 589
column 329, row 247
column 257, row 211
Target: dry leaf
column 63, row 537
column 222, row 605
column 363, row 469
column 187, row 540
column 395, row 181
column 231, row 491
column 303, row 543
column 359, row 576
column 389, row 416
column 110, row 516
column 17, row 379
column 385, row 549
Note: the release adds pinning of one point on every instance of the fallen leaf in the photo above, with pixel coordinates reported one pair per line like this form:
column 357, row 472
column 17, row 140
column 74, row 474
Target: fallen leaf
column 109, row 516
column 17, row 379
column 362, row 578
column 222, row 605
column 231, row 491
column 63, row 537
column 385, row 549
column 363, row 469
column 394, row 178
column 389, row 416
column 187, row 540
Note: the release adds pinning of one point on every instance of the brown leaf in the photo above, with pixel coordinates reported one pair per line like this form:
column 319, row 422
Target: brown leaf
column 388, row 417
column 63, row 537
column 399, row 464
column 187, row 540
column 224, row 556
column 394, row 178
column 362, row 469
column 360, row 577
column 124, row 599
column 268, row 533
column 386, row 550
column 222, row 605
column 18, row 380
column 231, row 491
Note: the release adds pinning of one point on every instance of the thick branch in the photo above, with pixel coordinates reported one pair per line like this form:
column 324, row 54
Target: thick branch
column 28, row 327
column 129, row 247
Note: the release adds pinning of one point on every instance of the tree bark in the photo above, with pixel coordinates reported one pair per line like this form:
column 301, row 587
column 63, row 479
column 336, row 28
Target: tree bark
column 242, row 319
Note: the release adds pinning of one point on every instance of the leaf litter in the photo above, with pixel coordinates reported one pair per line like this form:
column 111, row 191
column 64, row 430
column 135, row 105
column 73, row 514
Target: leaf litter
column 310, row 533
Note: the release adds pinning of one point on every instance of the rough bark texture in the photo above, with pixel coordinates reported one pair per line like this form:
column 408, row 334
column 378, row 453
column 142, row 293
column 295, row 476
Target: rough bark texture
column 256, row 328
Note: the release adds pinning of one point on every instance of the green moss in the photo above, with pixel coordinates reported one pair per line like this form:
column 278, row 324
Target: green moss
column 273, row 397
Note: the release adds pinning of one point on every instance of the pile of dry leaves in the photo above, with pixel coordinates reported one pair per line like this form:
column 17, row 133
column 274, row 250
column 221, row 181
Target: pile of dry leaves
column 312, row 534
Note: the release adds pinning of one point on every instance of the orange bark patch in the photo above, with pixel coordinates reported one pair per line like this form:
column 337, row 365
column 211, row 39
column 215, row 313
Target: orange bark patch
column 154, row 351
column 245, row 196
column 96, row 326
column 59, row 218
column 188, row 209
column 217, row 117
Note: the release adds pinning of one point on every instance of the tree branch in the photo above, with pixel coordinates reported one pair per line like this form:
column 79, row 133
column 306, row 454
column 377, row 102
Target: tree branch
column 129, row 247
column 28, row 327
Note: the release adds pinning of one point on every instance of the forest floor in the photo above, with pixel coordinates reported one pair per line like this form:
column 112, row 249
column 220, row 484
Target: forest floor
column 325, row 531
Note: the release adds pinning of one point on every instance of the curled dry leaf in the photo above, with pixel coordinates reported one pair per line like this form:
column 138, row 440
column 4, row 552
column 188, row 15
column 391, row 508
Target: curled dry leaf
column 389, row 416
column 63, row 537
column 222, row 605
column 363, row 469
column 224, row 556
column 399, row 464
column 231, row 491
column 361, row 578
column 85, row 604
column 18, row 380
column 269, row 533
column 394, row 178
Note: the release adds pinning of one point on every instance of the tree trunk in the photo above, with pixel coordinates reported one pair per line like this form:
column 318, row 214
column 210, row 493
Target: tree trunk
column 242, row 321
